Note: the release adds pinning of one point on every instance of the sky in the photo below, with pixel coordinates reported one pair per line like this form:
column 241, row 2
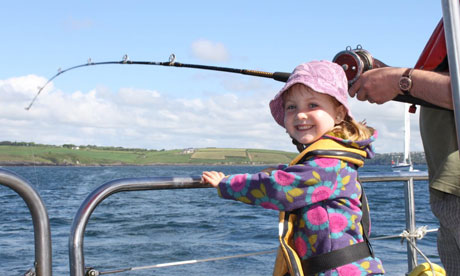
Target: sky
column 157, row 107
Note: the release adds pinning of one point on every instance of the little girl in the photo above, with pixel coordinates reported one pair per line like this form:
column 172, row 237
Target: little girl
column 324, row 222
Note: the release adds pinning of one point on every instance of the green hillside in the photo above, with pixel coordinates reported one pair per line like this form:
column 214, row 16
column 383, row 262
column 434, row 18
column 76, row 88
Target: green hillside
column 33, row 154
column 22, row 153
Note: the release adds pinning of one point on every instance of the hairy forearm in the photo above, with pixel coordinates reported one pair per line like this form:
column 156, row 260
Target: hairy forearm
column 432, row 87
column 381, row 85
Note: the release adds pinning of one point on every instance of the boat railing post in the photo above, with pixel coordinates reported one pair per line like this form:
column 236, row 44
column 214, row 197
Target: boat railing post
column 42, row 233
column 76, row 239
column 451, row 19
column 410, row 222
column 77, row 231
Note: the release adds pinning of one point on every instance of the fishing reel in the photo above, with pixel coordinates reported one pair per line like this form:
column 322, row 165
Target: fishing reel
column 355, row 62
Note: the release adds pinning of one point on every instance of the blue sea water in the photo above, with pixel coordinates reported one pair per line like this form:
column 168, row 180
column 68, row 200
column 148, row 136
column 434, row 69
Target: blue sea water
column 142, row 228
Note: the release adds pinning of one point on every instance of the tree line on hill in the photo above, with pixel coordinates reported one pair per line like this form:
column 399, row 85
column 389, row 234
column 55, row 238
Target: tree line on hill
column 379, row 158
column 72, row 146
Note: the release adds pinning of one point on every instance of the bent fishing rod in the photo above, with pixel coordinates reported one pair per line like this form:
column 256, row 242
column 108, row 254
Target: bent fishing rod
column 353, row 61
column 279, row 76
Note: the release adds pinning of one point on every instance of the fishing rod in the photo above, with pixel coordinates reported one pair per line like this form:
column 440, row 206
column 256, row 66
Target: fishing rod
column 279, row 76
column 353, row 61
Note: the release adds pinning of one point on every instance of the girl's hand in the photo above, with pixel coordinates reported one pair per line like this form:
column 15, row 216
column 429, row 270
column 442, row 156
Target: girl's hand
column 268, row 170
column 212, row 178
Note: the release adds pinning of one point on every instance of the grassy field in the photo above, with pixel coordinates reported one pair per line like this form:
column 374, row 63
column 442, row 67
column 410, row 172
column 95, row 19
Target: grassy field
column 23, row 153
column 87, row 156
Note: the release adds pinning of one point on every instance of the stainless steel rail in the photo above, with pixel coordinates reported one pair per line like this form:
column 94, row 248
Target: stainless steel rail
column 42, row 233
column 451, row 18
column 76, row 254
column 409, row 178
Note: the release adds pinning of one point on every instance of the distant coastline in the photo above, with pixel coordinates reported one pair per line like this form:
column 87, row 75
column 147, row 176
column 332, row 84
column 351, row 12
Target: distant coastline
column 31, row 154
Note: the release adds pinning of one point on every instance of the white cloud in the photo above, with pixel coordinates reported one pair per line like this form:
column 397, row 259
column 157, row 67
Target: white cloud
column 137, row 97
column 209, row 51
column 146, row 118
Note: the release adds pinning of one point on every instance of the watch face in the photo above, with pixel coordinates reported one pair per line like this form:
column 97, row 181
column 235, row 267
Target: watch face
column 405, row 83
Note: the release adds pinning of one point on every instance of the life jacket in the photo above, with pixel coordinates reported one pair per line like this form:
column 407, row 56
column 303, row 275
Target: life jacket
column 287, row 261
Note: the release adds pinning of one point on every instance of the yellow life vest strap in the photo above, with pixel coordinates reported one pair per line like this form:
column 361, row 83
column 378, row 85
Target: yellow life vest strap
column 333, row 149
column 291, row 262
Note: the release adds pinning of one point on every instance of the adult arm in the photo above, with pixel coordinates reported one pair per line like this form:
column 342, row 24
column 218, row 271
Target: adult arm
column 381, row 85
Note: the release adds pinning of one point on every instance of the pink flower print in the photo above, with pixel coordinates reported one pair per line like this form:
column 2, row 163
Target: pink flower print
column 283, row 178
column 317, row 215
column 323, row 192
column 238, row 182
column 326, row 162
column 269, row 205
column 349, row 270
column 300, row 247
column 337, row 222
column 320, row 193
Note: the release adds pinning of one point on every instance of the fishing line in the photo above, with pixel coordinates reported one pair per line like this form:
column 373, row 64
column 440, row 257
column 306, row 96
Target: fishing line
column 93, row 272
column 404, row 235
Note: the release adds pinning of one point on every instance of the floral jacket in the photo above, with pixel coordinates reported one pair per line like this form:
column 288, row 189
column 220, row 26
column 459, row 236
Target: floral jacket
column 323, row 191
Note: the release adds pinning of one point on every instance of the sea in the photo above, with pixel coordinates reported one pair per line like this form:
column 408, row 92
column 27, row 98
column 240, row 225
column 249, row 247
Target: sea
column 144, row 228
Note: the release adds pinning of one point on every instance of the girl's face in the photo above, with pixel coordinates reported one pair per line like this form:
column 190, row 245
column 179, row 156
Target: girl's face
column 308, row 115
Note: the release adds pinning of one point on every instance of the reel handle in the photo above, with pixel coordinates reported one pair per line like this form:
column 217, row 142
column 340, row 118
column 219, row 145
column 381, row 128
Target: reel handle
column 357, row 61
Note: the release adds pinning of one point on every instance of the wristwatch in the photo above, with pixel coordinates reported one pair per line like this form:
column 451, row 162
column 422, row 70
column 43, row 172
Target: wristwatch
column 405, row 82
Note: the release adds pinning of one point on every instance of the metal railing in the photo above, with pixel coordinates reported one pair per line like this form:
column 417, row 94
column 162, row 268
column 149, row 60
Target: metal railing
column 451, row 20
column 76, row 239
column 408, row 178
column 43, row 260
column 76, row 256
column 42, row 233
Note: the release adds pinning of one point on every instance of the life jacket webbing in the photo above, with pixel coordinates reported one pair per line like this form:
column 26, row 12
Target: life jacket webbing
column 335, row 149
column 293, row 260
column 335, row 258
column 332, row 153
column 345, row 255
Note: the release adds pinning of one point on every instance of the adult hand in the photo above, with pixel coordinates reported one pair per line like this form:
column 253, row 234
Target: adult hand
column 378, row 85
column 212, row 178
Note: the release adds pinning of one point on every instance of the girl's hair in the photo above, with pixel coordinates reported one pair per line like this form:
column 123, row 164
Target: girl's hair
column 348, row 129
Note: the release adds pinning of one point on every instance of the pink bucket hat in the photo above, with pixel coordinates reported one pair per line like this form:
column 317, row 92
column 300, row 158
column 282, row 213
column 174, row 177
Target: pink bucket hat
column 322, row 76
